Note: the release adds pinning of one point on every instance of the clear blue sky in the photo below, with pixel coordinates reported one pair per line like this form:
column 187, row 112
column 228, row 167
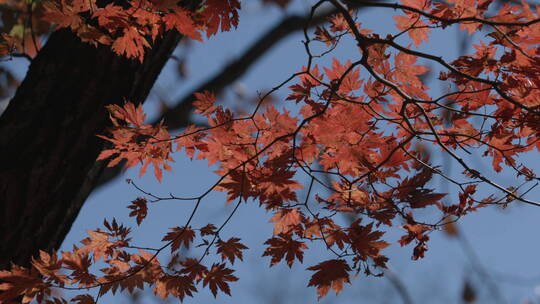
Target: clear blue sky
column 505, row 241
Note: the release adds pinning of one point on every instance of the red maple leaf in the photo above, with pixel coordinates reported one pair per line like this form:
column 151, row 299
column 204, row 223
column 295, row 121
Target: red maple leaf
column 286, row 219
column 204, row 103
column 220, row 12
column 284, row 246
column 112, row 17
column 79, row 264
column 415, row 27
column 321, row 34
column 178, row 286
column 193, row 269
column 351, row 81
column 416, row 232
column 329, row 274
column 179, row 235
column 139, row 209
column 364, row 241
column 182, row 21
column 230, row 249
column 217, row 277
column 209, row 229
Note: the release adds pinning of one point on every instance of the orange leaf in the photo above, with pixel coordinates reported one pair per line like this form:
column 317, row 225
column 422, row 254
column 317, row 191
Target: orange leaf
column 182, row 21
column 19, row 282
column 204, row 103
column 286, row 219
column 132, row 44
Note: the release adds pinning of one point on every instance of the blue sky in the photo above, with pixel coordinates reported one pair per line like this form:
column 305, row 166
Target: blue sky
column 505, row 241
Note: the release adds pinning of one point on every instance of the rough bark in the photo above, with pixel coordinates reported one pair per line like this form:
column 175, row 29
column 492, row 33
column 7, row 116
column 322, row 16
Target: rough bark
column 48, row 142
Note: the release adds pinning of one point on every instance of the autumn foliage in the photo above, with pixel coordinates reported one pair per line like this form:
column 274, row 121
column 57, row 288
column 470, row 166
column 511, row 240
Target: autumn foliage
column 350, row 138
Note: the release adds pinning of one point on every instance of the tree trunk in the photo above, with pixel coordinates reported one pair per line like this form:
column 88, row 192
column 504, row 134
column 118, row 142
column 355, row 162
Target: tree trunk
column 48, row 143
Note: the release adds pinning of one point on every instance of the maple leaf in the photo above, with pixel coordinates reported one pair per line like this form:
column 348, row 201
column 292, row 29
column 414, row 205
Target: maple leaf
column 220, row 12
column 112, row 17
column 466, row 203
column 140, row 209
column 209, row 229
column 286, row 219
column 151, row 269
column 182, row 21
column 338, row 23
column 364, row 241
column 193, row 269
column 129, row 112
column 322, row 34
column 284, row 246
column 336, row 236
column 117, row 230
column 423, row 199
column 406, row 71
column 217, row 278
column 351, row 81
column 230, row 249
column 79, row 264
column 131, row 43
column 92, row 35
column 49, row 267
column 302, row 91
column 412, row 190
column 127, row 277
column 191, row 141
column 415, row 27
column 179, row 235
column 144, row 144
column 204, row 103
column 19, row 282
column 329, row 274
column 237, row 183
column 61, row 13
column 416, row 232
column 98, row 243
column 178, row 286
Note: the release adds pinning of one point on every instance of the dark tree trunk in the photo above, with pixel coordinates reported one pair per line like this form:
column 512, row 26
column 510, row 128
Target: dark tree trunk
column 48, row 142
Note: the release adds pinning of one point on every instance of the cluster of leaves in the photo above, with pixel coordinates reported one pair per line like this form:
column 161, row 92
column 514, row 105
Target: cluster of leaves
column 129, row 27
column 372, row 163
column 125, row 269
column 137, row 142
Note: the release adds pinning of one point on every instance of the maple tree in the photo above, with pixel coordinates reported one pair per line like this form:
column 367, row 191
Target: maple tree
column 373, row 164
